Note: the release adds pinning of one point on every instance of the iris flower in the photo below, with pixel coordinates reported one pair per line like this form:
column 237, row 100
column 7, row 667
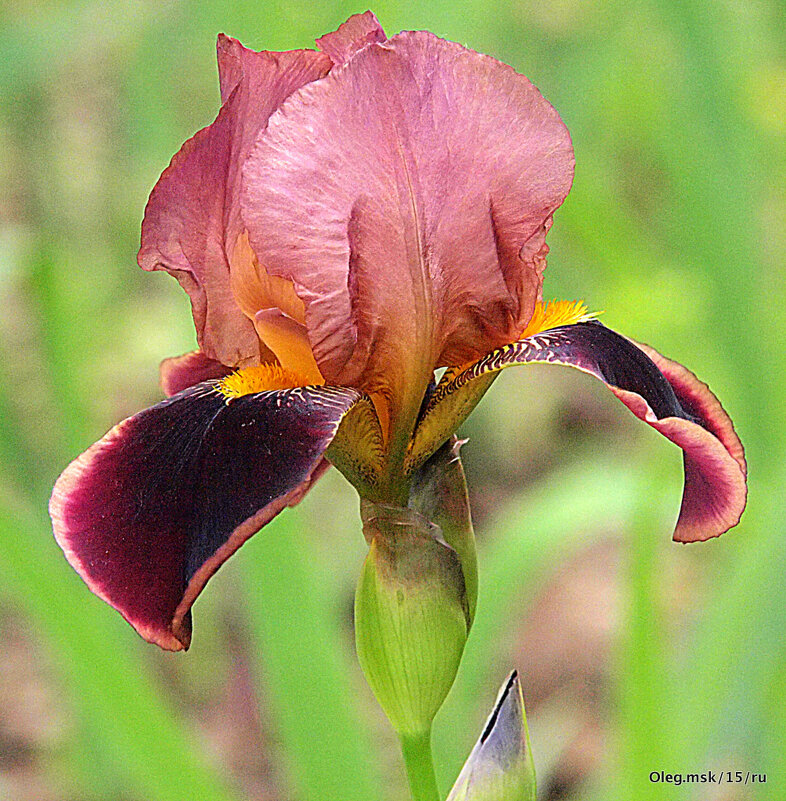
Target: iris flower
column 356, row 218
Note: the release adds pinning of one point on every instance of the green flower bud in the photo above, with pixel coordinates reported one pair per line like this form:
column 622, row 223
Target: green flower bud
column 411, row 615
column 500, row 767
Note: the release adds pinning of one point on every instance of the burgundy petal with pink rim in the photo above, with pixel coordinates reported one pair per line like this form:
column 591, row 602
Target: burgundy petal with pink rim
column 407, row 195
column 192, row 221
column 658, row 391
column 152, row 510
column 715, row 485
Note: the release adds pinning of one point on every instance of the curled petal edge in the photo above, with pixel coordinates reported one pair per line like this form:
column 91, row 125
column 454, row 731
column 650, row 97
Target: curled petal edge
column 353, row 35
column 660, row 392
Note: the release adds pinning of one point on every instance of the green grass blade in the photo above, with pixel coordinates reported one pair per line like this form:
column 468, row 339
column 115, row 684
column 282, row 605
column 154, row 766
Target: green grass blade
column 309, row 683
column 642, row 686
column 521, row 545
column 102, row 670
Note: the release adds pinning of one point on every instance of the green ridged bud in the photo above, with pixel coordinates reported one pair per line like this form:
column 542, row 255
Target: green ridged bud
column 411, row 615
column 500, row 766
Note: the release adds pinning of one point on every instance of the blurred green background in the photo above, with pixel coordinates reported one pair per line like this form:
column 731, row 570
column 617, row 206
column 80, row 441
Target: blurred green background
column 636, row 654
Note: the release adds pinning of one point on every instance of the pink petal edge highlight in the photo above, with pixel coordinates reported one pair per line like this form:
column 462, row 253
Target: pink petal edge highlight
column 181, row 624
column 715, row 467
column 178, row 637
column 64, row 488
column 142, row 515
column 661, row 393
column 353, row 35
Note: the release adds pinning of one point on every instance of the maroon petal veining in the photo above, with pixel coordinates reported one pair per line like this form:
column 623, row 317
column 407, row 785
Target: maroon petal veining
column 149, row 513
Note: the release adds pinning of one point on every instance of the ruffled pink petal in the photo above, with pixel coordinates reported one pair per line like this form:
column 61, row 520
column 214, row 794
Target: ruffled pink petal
column 149, row 513
column 353, row 35
column 407, row 195
column 192, row 221
column 180, row 372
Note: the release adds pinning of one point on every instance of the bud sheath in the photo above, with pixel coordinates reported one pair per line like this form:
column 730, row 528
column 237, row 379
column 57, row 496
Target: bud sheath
column 439, row 493
column 411, row 615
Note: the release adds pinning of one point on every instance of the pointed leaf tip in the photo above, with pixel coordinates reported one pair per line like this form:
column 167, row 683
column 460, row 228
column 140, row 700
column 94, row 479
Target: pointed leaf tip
column 500, row 766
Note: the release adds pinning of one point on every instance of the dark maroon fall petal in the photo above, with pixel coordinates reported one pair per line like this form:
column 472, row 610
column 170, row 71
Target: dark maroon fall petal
column 181, row 372
column 675, row 403
column 152, row 510
column 715, row 485
column 658, row 391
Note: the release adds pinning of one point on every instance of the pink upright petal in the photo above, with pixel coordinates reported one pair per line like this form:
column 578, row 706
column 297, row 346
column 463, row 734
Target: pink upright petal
column 407, row 195
column 149, row 513
column 351, row 36
column 192, row 221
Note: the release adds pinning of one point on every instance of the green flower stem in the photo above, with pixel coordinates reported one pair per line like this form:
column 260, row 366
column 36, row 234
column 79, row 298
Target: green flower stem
column 420, row 766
